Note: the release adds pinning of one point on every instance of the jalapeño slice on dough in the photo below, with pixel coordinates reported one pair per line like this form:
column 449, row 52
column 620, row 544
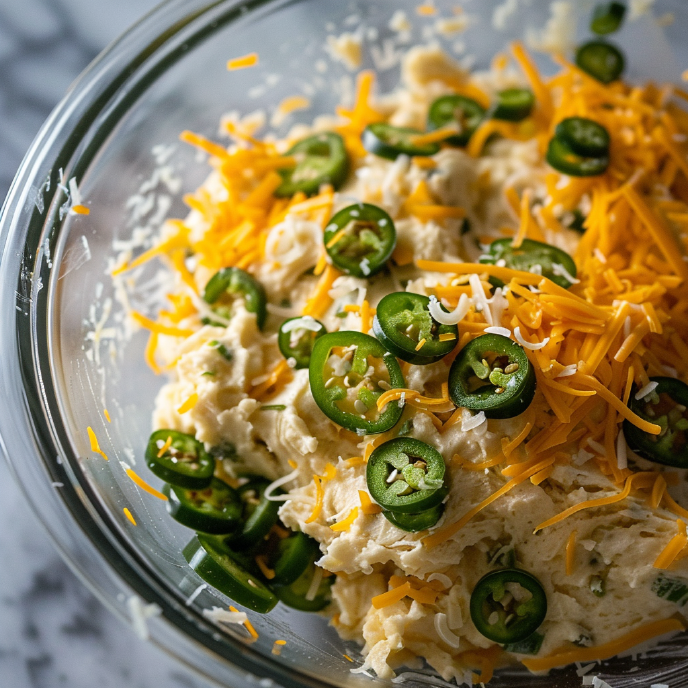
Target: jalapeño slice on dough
column 502, row 616
column 601, row 60
column 259, row 514
column 387, row 141
column 230, row 283
column 406, row 476
column 492, row 374
column 359, row 239
column 666, row 406
column 348, row 372
column 562, row 158
column 455, row 109
column 320, row 159
column 405, row 327
column 296, row 338
column 514, row 104
column 215, row 509
column 414, row 523
column 607, row 17
column 583, row 136
column 301, row 595
column 555, row 263
column 217, row 565
column 179, row 459
column 291, row 557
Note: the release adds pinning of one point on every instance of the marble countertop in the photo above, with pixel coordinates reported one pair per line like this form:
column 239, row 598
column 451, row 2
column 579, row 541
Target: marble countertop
column 53, row 632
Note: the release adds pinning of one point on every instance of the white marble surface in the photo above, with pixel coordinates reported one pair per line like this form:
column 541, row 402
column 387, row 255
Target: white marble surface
column 53, row 632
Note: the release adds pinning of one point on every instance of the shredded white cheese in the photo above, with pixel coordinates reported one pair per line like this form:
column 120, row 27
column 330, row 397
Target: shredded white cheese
column 453, row 317
column 472, row 422
column 505, row 332
column 529, row 345
column 443, row 631
column 220, row 615
column 646, row 390
column 140, row 613
column 621, row 454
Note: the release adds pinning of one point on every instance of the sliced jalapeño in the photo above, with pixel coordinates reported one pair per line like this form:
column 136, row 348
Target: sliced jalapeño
column 492, row 374
column 348, row 372
column 360, row 239
column 320, row 159
column 405, row 327
column 230, row 283
column 179, row 459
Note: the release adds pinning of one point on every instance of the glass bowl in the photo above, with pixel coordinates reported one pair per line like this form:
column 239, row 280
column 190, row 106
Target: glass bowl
column 67, row 353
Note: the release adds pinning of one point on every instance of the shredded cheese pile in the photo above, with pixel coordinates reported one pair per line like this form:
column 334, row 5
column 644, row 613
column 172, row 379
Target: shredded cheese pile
column 624, row 319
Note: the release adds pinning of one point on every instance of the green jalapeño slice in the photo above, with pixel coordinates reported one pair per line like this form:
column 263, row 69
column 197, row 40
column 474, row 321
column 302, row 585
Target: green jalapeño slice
column 508, row 605
column 259, row 514
column 601, row 60
column 348, row 372
column 414, row 523
column 514, row 104
column 562, row 158
column 228, row 284
column 555, row 264
column 607, row 17
column 217, row 565
column 583, row 136
column 296, row 338
column 389, row 142
column 666, row 406
column 300, row 594
column 215, row 509
column 405, row 327
column 291, row 557
column 406, row 476
column 492, row 374
column 359, row 239
column 454, row 109
column 320, row 159
column 179, row 459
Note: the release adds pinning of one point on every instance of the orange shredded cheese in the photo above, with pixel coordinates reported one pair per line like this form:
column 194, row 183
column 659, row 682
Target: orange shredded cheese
column 367, row 504
column 250, row 60
column 416, row 399
column 391, row 596
column 129, row 516
column 671, row 551
column 247, row 625
column 80, row 209
column 263, row 566
column 607, row 650
column 570, row 552
column 107, row 416
column 95, row 447
column 345, row 524
column 165, row 446
column 158, row 328
column 594, row 503
column 318, row 480
column 188, row 404
column 447, row 531
column 144, row 485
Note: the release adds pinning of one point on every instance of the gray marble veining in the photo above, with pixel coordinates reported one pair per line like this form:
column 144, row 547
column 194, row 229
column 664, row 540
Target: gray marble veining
column 53, row 632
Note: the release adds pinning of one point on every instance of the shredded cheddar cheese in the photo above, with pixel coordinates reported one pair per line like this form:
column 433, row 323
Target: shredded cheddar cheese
column 367, row 505
column 345, row 523
column 189, row 404
column 570, row 552
column 95, row 447
column 129, row 516
column 250, row 60
column 673, row 548
column 602, row 652
column 144, row 485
